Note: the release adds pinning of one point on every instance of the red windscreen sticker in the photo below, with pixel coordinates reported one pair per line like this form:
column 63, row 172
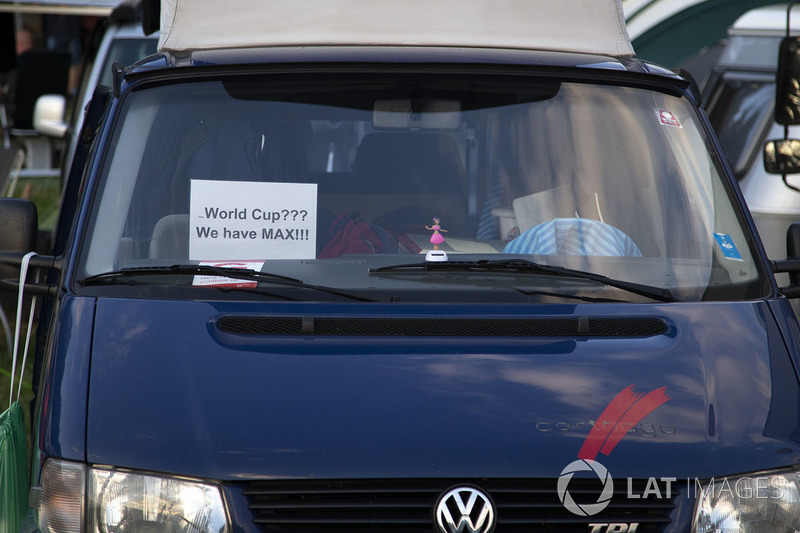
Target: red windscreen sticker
column 668, row 118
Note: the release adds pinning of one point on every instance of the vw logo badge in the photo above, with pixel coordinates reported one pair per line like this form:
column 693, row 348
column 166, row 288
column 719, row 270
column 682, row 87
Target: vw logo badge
column 465, row 510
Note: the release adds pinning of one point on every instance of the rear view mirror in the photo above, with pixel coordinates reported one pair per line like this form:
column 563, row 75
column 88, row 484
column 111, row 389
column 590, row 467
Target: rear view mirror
column 787, row 87
column 419, row 114
column 782, row 156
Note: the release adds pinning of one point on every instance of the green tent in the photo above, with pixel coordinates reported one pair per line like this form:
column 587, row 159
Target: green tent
column 14, row 483
column 13, row 469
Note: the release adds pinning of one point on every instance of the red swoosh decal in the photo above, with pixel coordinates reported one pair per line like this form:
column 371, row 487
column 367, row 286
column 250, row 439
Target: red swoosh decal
column 626, row 410
column 635, row 414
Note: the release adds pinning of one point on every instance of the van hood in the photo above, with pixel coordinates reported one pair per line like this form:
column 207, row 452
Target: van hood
column 175, row 388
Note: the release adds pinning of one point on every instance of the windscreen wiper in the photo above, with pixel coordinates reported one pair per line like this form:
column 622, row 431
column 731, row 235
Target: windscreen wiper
column 517, row 266
column 210, row 270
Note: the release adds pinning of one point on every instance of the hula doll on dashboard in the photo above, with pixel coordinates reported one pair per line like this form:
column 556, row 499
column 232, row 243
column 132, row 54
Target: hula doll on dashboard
column 437, row 238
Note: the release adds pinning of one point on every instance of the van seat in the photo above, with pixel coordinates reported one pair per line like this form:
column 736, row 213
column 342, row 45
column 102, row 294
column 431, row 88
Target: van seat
column 170, row 238
column 403, row 172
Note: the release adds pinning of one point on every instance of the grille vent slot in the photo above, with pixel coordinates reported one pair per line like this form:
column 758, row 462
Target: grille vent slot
column 439, row 327
column 407, row 506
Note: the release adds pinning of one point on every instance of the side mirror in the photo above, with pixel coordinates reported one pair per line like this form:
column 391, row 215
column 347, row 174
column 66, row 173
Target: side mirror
column 782, row 156
column 48, row 115
column 19, row 220
column 791, row 264
column 20, row 223
column 793, row 251
column 787, row 86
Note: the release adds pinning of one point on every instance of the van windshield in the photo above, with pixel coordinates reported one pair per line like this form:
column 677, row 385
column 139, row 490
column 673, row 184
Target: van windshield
column 342, row 181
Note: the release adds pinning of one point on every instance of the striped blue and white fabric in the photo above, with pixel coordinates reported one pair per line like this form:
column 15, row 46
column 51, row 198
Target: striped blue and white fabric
column 573, row 236
column 488, row 224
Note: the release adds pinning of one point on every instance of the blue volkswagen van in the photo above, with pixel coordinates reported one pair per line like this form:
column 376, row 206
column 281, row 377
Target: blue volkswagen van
column 446, row 266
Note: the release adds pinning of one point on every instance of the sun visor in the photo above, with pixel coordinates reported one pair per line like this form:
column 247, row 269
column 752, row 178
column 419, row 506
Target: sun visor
column 584, row 26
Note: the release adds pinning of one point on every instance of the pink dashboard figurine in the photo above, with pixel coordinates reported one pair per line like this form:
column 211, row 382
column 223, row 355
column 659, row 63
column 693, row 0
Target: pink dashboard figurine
column 437, row 238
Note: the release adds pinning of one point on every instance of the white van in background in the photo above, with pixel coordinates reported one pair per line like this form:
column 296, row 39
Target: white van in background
column 117, row 39
column 683, row 33
column 740, row 101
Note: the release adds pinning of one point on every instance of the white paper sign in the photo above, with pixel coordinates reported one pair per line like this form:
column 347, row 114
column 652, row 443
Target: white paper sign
column 235, row 220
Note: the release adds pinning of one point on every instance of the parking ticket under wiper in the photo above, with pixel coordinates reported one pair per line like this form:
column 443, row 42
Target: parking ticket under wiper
column 210, row 270
column 188, row 270
column 515, row 266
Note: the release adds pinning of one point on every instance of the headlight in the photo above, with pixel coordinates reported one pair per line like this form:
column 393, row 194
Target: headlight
column 126, row 502
column 749, row 504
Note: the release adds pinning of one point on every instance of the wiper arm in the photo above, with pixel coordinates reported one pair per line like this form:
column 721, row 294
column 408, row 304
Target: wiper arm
column 516, row 266
column 210, row 270
column 187, row 270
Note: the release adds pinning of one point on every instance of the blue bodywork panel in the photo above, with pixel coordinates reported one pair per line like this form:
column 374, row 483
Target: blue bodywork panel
column 227, row 406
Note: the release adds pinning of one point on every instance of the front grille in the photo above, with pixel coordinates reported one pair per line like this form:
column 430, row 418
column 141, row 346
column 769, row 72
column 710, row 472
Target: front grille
column 407, row 506
column 442, row 326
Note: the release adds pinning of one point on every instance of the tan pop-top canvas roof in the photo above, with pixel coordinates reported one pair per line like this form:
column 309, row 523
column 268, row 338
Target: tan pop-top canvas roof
column 584, row 26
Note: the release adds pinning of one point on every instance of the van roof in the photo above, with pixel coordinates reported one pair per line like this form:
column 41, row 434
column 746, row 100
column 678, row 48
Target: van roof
column 583, row 26
column 767, row 20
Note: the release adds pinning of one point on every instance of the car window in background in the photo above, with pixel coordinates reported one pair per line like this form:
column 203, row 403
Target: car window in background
column 740, row 113
column 126, row 52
